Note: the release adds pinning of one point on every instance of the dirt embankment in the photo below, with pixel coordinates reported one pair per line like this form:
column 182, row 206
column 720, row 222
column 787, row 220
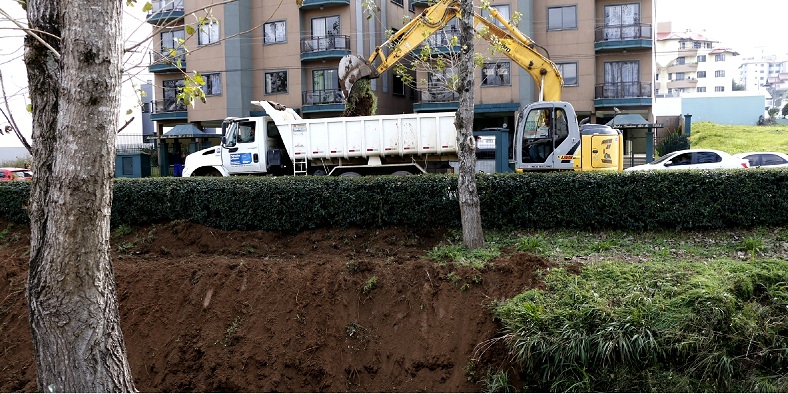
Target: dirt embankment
column 356, row 310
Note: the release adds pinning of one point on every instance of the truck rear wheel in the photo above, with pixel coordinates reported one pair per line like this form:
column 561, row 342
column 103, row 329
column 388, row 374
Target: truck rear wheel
column 402, row 173
column 350, row 174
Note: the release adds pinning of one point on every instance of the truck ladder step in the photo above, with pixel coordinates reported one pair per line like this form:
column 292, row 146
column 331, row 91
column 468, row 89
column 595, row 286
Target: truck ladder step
column 299, row 166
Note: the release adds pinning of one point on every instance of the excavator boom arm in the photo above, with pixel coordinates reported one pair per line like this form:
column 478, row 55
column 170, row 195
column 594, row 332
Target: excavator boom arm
column 513, row 43
column 542, row 70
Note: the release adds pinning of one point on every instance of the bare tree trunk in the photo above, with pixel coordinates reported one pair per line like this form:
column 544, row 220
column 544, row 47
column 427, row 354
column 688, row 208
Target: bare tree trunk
column 470, row 211
column 71, row 290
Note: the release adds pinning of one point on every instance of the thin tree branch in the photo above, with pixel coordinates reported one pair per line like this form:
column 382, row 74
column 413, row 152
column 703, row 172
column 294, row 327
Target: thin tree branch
column 128, row 122
column 30, row 32
column 10, row 118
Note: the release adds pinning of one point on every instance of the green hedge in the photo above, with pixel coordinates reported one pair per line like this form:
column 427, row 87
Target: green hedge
column 625, row 200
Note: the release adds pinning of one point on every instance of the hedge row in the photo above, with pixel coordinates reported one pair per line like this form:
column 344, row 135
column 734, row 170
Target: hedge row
column 626, row 200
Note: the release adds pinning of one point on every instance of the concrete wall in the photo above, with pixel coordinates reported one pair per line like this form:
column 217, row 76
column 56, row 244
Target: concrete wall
column 730, row 110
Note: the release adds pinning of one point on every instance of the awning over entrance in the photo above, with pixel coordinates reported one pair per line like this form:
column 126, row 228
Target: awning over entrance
column 632, row 121
column 187, row 131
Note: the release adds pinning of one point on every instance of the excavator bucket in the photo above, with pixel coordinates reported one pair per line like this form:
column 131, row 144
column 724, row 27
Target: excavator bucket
column 351, row 69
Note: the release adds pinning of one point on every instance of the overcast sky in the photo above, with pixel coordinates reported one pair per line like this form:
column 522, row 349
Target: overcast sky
column 749, row 27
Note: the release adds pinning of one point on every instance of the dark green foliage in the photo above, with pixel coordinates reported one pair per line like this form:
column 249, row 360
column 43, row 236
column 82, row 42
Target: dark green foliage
column 586, row 201
column 675, row 140
column 718, row 326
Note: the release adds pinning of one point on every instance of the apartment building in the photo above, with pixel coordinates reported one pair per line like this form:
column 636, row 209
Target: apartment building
column 768, row 75
column 289, row 52
column 689, row 62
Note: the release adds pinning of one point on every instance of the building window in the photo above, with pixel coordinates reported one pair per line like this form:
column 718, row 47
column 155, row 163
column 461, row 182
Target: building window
column 170, row 90
column 502, row 9
column 696, row 44
column 411, row 6
column 496, row 74
column 213, row 84
column 719, row 88
column 397, row 86
column 324, row 27
column 274, row 32
column 719, row 57
column 568, row 72
column 719, row 73
column 562, row 18
column 701, row 89
column 172, row 45
column 622, row 80
column 276, row 82
column 679, row 76
column 621, row 21
column 209, row 33
column 397, row 2
column 701, row 58
column 670, row 76
column 680, row 60
column 656, row 77
column 701, row 74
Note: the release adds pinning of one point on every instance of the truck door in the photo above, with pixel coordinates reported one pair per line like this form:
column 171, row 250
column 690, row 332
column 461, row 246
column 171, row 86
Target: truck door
column 241, row 148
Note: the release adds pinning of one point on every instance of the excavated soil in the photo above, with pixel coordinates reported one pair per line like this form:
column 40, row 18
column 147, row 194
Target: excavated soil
column 356, row 310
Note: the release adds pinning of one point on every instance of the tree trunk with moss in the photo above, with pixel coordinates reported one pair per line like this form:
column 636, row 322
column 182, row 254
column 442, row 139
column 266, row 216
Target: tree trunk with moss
column 78, row 344
column 470, row 211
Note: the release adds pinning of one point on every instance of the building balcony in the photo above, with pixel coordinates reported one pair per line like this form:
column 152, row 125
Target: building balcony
column 328, row 100
column 436, row 98
column 616, row 38
column 169, row 109
column 320, row 4
column 443, row 41
column 165, row 11
column 165, row 62
column 325, row 48
column 622, row 94
column 683, row 83
column 683, row 68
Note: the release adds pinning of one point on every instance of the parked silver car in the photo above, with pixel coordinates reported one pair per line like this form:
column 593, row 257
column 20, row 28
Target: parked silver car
column 765, row 159
column 693, row 159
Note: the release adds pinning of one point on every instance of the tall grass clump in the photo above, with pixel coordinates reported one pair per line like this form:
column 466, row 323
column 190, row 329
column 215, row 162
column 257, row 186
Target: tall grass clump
column 651, row 327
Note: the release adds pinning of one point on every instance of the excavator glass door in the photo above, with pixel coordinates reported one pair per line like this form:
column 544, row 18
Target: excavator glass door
column 543, row 131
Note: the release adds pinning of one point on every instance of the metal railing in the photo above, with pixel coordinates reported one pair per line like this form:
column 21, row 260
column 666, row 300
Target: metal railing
column 165, row 5
column 134, row 143
column 437, row 93
column 166, row 57
column 327, row 43
column 622, row 90
column 624, row 32
column 169, row 105
column 443, row 38
column 318, row 97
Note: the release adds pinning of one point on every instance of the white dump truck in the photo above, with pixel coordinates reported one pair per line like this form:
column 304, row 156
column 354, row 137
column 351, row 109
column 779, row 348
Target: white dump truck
column 282, row 143
column 547, row 138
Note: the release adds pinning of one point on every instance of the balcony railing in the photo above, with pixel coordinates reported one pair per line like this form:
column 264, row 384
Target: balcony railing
column 443, row 38
column 165, row 10
column 319, row 97
column 168, row 106
column 622, row 90
column 327, row 43
column 164, row 60
column 639, row 31
column 437, row 93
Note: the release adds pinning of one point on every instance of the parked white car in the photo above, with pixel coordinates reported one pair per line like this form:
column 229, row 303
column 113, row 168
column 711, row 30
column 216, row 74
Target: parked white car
column 693, row 159
column 765, row 159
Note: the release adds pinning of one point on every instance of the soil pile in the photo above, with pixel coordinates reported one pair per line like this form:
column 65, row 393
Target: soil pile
column 358, row 310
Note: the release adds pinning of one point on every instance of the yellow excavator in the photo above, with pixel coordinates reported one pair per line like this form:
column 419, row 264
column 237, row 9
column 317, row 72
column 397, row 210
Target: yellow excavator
column 547, row 135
